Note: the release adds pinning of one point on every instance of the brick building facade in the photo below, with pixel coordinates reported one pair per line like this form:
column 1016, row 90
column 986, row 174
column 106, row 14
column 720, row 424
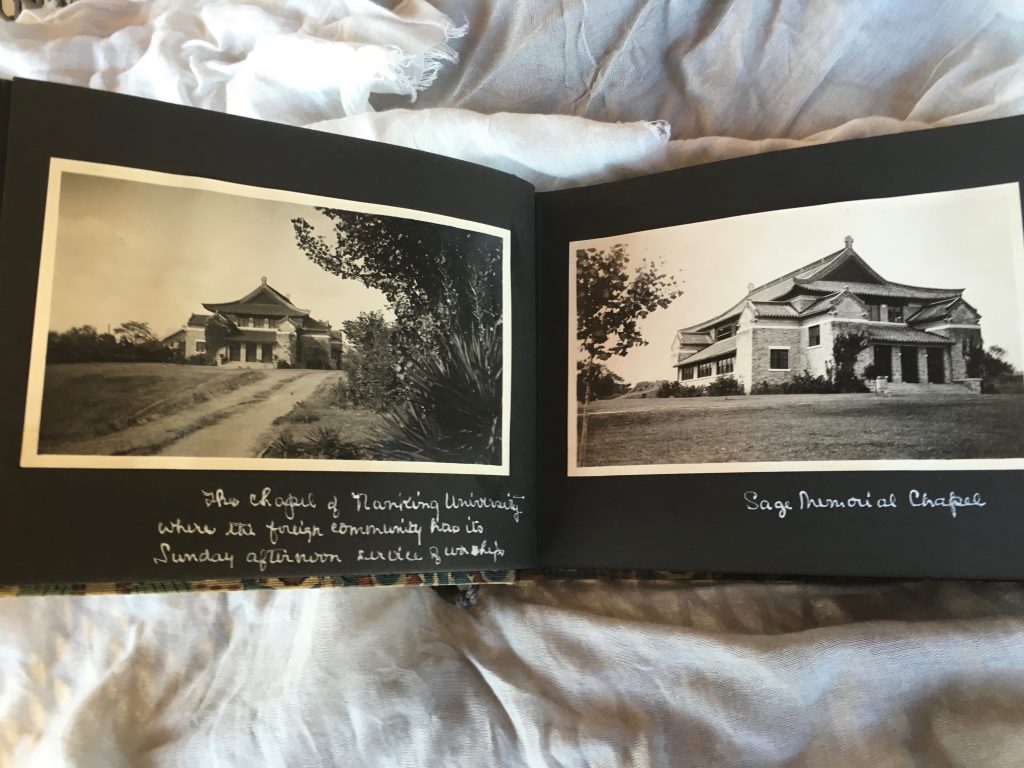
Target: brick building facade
column 261, row 329
column 787, row 326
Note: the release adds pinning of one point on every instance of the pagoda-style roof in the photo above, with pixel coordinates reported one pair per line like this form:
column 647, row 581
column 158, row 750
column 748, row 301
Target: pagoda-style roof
column 262, row 301
column 693, row 339
column 898, row 335
column 844, row 270
column 718, row 349
column 879, row 290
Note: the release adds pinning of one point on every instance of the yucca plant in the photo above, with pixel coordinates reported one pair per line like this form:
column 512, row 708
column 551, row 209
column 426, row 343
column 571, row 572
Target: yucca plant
column 453, row 411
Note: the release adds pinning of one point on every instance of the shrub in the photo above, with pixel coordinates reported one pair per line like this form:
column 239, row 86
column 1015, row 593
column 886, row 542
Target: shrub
column 372, row 364
column 800, row 384
column 668, row 389
column 678, row 389
column 283, row 364
column 453, row 407
column 327, row 443
column 603, row 382
column 284, row 446
column 845, row 349
column 723, row 387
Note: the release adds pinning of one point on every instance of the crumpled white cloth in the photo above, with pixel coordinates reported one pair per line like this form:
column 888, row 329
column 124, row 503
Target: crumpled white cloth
column 236, row 57
column 537, row 674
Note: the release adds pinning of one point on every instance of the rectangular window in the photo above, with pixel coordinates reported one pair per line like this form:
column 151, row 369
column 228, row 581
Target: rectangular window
column 200, row 347
column 688, row 371
column 874, row 312
column 250, row 350
column 895, row 314
column 703, row 369
column 234, row 351
column 778, row 359
column 723, row 332
column 259, row 322
column 268, row 352
column 726, row 365
column 814, row 336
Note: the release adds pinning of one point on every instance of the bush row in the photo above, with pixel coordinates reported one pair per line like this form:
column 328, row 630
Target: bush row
column 801, row 384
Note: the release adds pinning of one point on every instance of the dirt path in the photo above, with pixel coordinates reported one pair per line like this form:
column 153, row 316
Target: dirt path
column 165, row 429
column 238, row 435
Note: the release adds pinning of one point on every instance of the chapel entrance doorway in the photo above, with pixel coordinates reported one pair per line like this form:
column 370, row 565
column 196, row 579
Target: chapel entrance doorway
column 883, row 361
column 908, row 365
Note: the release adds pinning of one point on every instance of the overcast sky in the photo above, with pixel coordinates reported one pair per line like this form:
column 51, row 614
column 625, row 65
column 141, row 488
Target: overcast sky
column 129, row 250
column 969, row 239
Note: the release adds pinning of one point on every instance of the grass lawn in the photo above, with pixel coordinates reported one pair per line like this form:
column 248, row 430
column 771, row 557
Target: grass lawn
column 804, row 428
column 320, row 411
column 86, row 400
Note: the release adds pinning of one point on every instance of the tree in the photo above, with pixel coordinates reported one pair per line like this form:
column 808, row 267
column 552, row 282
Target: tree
column 135, row 333
column 602, row 382
column 845, row 349
column 435, row 277
column 371, row 363
column 611, row 299
column 445, row 289
column 987, row 363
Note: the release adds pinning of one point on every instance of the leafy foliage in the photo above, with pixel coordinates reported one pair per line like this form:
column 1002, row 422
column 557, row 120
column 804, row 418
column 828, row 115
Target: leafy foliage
column 800, row 384
column 678, row 389
column 83, row 344
column 724, row 386
column 371, row 363
column 319, row 443
column 845, row 349
column 720, row 387
column 987, row 363
column 435, row 373
column 602, row 382
column 434, row 277
column 611, row 299
column 453, row 408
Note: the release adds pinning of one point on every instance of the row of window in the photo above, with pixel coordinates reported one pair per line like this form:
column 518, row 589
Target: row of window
column 895, row 312
column 710, row 368
column 778, row 360
column 252, row 322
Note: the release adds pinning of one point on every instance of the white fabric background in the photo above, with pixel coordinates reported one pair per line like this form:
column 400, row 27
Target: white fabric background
column 565, row 674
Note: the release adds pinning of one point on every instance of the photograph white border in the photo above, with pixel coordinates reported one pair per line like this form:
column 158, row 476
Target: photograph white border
column 1017, row 260
column 30, row 456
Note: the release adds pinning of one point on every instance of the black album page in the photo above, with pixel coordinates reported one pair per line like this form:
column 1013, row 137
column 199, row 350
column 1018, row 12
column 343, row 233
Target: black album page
column 238, row 350
column 805, row 362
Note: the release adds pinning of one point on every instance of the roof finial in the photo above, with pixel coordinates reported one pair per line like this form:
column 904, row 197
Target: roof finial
column 264, row 278
column 848, row 241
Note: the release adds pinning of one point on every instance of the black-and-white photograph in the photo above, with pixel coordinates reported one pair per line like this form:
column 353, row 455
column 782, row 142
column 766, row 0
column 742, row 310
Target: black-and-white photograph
column 189, row 323
column 872, row 334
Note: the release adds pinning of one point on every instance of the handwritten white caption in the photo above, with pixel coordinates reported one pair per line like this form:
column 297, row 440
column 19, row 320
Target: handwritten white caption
column 449, row 516
column 951, row 502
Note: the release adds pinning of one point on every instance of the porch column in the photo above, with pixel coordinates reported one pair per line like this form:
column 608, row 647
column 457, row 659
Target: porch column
column 243, row 352
column 922, row 364
column 897, row 365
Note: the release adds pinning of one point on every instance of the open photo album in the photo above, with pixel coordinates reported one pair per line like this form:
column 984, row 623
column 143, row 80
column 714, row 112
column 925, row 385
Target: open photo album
column 243, row 354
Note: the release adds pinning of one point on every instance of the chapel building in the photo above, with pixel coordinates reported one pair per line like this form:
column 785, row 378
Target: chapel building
column 786, row 327
column 261, row 329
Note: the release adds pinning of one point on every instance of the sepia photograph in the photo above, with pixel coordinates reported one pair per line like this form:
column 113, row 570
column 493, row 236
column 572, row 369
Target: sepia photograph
column 188, row 323
column 872, row 334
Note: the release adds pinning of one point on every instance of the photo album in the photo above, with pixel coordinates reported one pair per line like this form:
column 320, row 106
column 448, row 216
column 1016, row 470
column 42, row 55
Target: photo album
column 244, row 355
